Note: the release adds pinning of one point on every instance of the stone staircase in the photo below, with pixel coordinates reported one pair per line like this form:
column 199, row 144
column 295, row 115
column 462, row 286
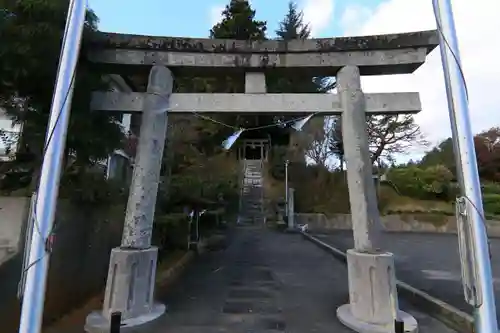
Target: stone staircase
column 252, row 193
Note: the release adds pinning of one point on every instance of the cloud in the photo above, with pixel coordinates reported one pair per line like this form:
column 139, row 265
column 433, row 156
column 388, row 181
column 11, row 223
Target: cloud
column 216, row 14
column 352, row 16
column 476, row 24
column 318, row 13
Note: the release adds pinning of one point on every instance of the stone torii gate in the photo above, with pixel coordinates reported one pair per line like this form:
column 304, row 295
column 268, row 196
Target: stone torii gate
column 373, row 303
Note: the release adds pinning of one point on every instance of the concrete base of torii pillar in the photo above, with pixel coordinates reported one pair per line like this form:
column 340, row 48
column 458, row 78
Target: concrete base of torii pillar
column 130, row 291
column 373, row 296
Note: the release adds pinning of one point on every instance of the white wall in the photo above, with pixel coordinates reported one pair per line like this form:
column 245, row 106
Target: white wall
column 13, row 211
column 6, row 125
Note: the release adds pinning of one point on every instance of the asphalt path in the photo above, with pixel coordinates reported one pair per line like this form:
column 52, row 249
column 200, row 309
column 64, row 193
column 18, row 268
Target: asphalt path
column 264, row 281
column 429, row 262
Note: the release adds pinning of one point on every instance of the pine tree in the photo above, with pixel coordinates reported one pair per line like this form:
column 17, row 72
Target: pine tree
column 292, row 26
column 199, row 140
column 239, row 23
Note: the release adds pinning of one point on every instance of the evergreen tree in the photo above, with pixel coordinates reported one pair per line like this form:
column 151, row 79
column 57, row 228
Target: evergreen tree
column 293, row 26
column 239, row 23
column 31, row 32
column 199, row 141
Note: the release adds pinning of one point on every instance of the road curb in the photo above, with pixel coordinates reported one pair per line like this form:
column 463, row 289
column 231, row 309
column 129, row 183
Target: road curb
column 170, row 274
column 452, row 317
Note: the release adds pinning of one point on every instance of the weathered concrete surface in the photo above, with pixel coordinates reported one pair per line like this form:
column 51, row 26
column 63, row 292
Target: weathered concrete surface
column 362, row 268
column 431, row 223
column 397, row 61
column 429, row 262
column 131, row 293
column 362, row 193
column 376, row 55
column 367, row 260
column 138, row 227
column 134, row 272
column 373, row 299
column 130, row 281
column 427, row 39
column 327, row 104
column 255, row 83
column 81, row 232
column 264, row 282
column 13, row 211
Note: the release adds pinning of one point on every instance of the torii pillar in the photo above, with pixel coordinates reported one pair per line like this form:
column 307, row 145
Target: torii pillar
column 372, row 283
column 132, row 267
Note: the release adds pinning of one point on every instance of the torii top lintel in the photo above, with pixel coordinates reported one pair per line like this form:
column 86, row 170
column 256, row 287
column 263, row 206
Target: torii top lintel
column 375, row 55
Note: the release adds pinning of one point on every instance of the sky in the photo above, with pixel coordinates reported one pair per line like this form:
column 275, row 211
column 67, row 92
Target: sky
column 476, row 21
column 195, row 18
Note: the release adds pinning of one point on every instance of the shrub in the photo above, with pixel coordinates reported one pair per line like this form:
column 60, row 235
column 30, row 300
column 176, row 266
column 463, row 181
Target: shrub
column 318, row 190
column 491, row 204
column 277, row 161
column 92, row 188
column 429, row 183
column 385, row 196
column 210, row 221
column 490, row 188
column 170, row 231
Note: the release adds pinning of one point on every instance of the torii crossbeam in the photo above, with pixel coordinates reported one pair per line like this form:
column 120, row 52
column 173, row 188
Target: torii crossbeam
column 326, row 104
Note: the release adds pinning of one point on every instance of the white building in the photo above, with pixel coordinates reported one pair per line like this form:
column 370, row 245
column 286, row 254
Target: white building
column 117, row 166
column 10, row 132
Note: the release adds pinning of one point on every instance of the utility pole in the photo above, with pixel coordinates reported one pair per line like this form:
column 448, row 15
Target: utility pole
column 48, row 188
column 474, row 250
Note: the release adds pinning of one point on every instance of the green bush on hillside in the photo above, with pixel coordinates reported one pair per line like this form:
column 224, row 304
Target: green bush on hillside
column 432, row 183
column 491, row 204
column 490, row 188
